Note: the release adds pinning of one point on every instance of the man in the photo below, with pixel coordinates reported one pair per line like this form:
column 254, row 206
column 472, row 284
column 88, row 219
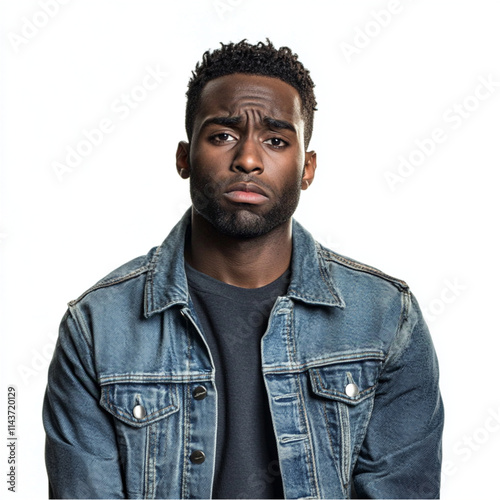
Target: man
column 241, row 359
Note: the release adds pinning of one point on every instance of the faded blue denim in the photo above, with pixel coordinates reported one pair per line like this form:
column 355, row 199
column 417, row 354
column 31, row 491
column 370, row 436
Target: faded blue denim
column 134, row 339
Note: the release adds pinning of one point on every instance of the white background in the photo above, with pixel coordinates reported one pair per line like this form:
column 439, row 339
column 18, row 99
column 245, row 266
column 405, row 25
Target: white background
column 377, row 95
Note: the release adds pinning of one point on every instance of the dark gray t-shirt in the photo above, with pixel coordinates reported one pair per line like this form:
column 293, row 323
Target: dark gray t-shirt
column 233, row 321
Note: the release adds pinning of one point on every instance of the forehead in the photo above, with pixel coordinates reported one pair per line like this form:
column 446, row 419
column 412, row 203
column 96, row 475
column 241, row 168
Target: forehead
column 231, row 94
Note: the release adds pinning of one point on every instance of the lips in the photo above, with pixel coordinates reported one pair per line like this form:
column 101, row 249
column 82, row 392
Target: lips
column 246, row 192
column 248, row 187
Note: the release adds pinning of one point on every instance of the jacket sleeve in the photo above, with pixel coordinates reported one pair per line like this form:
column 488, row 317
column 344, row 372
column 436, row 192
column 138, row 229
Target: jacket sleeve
column 401, row 453
column 81, row 452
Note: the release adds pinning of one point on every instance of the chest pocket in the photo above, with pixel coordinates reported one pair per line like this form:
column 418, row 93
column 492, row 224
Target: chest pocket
column 345, row 392
column 144, row 427
column 140, row 404
column 348, row 382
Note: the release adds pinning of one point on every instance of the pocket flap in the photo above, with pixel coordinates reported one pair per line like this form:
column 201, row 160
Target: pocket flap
column 350, row 382
column 139, row 404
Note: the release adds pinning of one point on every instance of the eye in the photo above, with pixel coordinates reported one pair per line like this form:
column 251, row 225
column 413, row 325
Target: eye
column 221, row 138
column 276, row 143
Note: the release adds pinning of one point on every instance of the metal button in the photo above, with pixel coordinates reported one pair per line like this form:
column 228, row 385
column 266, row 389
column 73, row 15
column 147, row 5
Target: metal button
column 139, row 412
column 199, row 393
column 351, row 390
column 197, row 457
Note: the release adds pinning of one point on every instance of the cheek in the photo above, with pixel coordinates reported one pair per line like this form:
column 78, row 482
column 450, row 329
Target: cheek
column 291, row 166
column 206, row 159
column 289, row 180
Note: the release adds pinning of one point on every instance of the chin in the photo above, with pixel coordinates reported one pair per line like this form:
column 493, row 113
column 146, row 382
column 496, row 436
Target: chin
column 245, row 224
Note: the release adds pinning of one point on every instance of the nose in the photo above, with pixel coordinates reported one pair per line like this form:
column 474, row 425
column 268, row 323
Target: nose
column 248, row 157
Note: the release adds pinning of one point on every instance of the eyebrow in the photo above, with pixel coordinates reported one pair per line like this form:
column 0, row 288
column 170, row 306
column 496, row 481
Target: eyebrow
column 227, row 121
column 279, row 124
column 231, row 121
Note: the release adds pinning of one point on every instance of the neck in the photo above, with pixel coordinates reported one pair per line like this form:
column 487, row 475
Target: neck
column 247, row 263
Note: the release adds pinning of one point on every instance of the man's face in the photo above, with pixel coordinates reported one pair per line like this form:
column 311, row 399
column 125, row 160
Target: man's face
column 247, row 156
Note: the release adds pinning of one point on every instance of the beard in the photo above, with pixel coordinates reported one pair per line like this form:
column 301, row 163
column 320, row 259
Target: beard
column 242, row 221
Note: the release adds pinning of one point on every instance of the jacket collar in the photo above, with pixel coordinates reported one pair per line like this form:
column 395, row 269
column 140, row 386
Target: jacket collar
column 166, row 282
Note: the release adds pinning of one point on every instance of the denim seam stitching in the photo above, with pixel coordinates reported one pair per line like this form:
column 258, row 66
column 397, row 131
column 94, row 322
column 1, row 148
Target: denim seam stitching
column 345, row 432
column 311, row 465
column 146, row 465
column 148, row 378
column 150, row 276
column 330, row 438
column 333, row 392
column 151, row 463
column 326, row 362
column 154, row 428
column 164, row 306
column 110, row 282
column 187, row 409
column 359, row 443
column 292, row 355
column 302, row 419
column 294, row 293
column 322, row 272
column 403, row 316
column 82, row 326
column 151, row 417
column 334, row 257
column 115, row 410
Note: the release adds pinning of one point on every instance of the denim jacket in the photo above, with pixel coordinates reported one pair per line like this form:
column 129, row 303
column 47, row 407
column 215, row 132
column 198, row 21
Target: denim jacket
column 348, row 363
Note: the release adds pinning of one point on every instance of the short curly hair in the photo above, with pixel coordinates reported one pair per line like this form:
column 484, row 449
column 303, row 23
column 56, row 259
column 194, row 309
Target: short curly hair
column 260, row 59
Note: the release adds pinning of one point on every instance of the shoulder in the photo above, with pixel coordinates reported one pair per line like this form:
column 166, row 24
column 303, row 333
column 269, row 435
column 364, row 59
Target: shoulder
column 131, row 270
column 372, row 297
column 346, row 267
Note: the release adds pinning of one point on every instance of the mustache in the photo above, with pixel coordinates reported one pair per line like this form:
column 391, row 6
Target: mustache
column 212, row 187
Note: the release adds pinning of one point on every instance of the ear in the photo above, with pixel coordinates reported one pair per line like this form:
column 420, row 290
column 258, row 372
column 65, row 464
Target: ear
column 309, row 169
column 182, row 159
